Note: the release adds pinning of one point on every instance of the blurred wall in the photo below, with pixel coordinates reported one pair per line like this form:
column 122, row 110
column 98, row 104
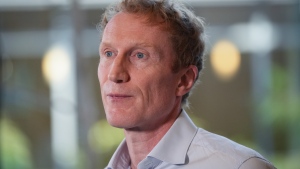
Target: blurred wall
column 256, row 105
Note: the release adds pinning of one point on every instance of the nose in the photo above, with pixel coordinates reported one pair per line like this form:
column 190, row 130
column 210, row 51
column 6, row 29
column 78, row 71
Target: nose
column 118, row 71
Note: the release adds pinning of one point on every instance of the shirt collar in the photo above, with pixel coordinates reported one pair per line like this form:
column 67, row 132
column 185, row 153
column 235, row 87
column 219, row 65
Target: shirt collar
column 172, row 148
column 120, row 158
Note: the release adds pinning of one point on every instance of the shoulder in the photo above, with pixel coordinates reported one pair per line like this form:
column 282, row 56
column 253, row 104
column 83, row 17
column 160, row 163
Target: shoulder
column 210, row 147
column 219, row 144
column 256, row 162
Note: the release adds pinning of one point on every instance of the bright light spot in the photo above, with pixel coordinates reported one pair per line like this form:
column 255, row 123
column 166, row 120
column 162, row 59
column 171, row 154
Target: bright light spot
column 262, row 35
column 56, row 65
column 225, row 59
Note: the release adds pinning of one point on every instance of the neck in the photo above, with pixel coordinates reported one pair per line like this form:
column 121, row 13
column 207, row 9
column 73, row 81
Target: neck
column 141, row 142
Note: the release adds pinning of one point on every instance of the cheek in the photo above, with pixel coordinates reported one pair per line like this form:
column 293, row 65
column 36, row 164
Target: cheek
column 100, row 78
column 161, row 98
column 101, row 74
column 161, row 89
column 99, row 71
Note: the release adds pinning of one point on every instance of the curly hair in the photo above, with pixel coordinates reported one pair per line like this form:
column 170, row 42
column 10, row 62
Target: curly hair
column 185, row 28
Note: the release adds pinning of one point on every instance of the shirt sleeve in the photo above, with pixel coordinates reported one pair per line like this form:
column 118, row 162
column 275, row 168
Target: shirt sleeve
column 256, row 163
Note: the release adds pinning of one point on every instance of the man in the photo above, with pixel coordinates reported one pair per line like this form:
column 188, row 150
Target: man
column 150, row 57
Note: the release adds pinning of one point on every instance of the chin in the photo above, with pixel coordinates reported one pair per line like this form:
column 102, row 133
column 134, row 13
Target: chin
column 118, row 122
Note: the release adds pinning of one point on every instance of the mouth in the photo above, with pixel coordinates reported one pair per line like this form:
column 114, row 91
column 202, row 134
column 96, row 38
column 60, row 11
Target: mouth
column 118, row 96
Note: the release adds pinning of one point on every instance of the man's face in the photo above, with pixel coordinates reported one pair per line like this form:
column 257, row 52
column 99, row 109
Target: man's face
column 138, row 87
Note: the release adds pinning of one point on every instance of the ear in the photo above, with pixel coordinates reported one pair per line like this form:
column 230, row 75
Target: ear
column 187, row 80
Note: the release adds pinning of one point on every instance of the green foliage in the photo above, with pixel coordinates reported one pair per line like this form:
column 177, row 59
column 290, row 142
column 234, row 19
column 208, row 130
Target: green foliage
column 286, row 162
column 281, row 106
column 281, row 110
column 15, row 153
column 104, row 138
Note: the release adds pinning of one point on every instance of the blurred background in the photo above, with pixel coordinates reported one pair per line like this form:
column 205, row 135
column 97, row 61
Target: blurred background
column 51, row 111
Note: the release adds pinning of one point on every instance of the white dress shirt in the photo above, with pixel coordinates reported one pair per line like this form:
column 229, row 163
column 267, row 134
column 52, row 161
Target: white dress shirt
column 186, row 146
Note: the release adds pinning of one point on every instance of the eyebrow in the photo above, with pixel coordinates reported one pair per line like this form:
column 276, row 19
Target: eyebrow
column 157, row 49
column 105, row 44
column 136, row 45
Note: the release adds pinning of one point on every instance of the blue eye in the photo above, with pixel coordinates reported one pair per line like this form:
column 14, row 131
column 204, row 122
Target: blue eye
column 108, row 53
column 140, row 55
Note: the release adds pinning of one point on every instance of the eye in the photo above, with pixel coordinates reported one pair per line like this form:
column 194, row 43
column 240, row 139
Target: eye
column 108, row 53
column 140, row 55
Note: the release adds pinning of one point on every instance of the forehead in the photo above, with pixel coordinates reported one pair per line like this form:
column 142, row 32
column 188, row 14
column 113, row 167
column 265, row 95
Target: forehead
column 134, row 28
column 131, row 23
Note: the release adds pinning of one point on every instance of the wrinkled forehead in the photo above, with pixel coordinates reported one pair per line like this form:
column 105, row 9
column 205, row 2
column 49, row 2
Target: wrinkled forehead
column 131, row 23
column 149, row 19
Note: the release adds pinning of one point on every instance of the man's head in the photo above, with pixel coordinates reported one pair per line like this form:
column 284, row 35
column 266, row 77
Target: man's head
column 185, row 29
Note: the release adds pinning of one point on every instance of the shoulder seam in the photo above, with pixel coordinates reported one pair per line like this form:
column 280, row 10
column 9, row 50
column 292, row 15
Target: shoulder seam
column 251, row 158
